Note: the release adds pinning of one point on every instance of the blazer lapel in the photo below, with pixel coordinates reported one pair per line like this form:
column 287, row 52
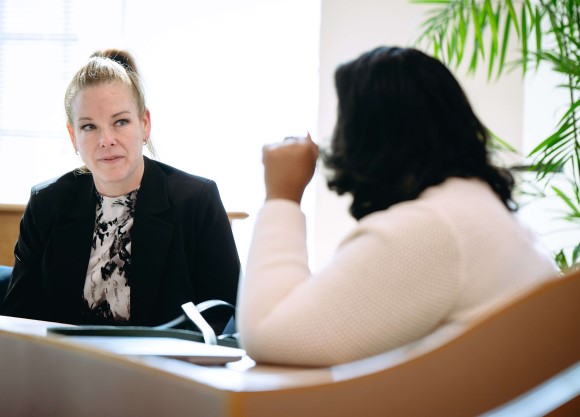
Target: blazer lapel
column 151, row 236
column 71, row 246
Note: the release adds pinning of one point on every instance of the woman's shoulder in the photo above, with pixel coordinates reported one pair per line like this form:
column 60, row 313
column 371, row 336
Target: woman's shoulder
column 62, row 184
column 180, row 177
column 50, row 198
column 460, row 190
column 455, row 204
column 183, row 189
column 445, row 215
column 411, row 222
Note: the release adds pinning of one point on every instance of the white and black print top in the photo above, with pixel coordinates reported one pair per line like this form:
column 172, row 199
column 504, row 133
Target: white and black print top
column 107, row 291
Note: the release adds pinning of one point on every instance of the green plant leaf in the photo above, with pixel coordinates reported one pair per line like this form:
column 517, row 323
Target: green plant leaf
column 436, row 48
column 500, row 143
column 476, row 17
column 452, row 48
column 538, row 35
column 524, row 38
column 513, row 15
column 568, row 201
column 492, row 17
column 554, row 24
column 531, row 14
column 567, row 65
column 463, row 26
column 473, row 63
column 576, row 254
column 570, row 116
column 549, row 141
column 557, row 147
column 504, row 45
column 560, row 151
column 553, row 161
column 547, row 166
column 560, row 259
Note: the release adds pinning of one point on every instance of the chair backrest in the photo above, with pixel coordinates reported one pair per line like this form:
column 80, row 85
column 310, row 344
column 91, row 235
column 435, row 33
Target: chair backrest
column 505, row 355
column 10, row 215
column 5, row 273
column 236, row 215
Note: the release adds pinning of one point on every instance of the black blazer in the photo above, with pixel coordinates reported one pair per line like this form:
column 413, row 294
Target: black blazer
column 182, row 248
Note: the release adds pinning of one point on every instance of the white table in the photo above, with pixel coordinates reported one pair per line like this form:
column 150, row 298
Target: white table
column 50, row 376
column 456, row 371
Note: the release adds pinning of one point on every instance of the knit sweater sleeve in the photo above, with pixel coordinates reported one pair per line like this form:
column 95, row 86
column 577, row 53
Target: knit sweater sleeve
column 392, row 280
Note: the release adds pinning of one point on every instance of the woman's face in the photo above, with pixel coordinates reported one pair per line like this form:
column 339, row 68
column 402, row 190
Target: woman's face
column 109, row 135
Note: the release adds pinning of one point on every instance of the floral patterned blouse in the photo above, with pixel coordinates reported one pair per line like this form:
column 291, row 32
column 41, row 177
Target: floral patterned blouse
column 107, row 290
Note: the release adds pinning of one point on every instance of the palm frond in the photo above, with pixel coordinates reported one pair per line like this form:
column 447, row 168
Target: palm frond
column 545, row 32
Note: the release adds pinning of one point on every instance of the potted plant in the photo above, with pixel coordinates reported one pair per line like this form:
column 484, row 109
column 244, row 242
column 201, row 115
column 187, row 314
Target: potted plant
column 477, row 33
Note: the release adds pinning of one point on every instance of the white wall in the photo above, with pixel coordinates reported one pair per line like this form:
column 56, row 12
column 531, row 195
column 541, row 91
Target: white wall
column 223, row 78
column 544, row 105
column 263, row 59
column 350, row 27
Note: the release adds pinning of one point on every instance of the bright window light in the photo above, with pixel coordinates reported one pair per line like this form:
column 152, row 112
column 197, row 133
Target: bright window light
column 221, row 79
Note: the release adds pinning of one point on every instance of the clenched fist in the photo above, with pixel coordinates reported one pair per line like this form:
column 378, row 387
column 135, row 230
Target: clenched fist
column 289, row 167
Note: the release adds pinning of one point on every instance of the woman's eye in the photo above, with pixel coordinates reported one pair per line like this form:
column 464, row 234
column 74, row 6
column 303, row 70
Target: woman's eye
column 87, row 127
column 122, row 122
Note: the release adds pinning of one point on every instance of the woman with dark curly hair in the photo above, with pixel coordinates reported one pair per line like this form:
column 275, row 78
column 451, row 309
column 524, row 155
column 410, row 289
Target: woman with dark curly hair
column 436, row 243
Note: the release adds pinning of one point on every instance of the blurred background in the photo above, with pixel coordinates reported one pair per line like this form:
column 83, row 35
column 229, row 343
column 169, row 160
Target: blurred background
column 222, row 79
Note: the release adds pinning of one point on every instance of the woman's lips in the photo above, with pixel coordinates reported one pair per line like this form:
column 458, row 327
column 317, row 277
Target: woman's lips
column 110, row 158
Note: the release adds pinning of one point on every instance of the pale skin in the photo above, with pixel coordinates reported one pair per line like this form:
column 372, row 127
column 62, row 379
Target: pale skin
column 109, row 135
column 289, row 167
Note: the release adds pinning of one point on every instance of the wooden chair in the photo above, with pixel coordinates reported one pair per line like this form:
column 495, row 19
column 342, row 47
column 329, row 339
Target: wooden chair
column 502, row 357
column 10, row 215
column 236, row 215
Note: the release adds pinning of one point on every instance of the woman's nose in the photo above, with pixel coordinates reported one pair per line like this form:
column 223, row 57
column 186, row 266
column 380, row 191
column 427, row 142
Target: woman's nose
column 107, row 138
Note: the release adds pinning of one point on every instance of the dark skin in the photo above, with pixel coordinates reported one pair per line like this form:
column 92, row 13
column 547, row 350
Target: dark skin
column 289, row 167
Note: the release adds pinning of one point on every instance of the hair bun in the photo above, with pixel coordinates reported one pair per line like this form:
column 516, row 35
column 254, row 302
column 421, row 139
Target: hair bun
column 118, row 55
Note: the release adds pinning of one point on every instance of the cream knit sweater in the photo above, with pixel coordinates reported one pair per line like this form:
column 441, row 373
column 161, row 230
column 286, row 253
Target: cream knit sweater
column 450, row 255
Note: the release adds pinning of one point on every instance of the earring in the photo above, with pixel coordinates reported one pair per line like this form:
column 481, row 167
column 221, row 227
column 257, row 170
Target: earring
column 77, row 151
column 145, row 141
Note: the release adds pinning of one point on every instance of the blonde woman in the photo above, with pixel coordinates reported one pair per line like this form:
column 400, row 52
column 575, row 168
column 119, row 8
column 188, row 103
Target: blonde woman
column 125, row 240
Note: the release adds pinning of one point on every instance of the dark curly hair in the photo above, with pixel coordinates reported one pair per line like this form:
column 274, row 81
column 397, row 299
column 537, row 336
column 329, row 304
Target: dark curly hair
column 404, row 124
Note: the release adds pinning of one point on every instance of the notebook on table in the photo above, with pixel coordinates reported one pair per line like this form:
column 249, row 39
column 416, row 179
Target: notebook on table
column 202, row 347
column 187, row 350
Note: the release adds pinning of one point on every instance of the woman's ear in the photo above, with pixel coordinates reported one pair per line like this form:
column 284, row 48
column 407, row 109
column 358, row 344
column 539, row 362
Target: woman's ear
column 71, row 133
column 147, row 123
